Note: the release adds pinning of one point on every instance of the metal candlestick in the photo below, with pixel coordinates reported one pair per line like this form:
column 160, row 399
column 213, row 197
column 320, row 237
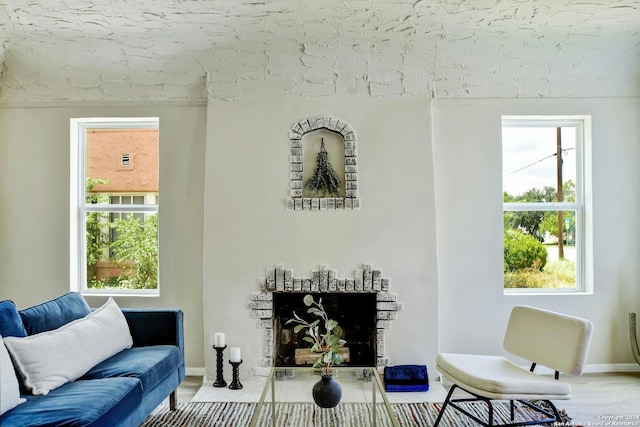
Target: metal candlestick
column 235, row 383
column 220, row 382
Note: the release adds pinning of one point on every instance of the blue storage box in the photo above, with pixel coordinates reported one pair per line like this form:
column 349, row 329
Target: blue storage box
column 406, row 378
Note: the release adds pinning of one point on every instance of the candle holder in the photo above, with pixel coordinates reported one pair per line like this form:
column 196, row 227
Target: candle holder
column 235, row 383
column 220, row 382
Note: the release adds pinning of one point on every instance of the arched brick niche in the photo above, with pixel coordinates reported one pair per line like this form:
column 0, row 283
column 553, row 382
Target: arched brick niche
column 298, row 131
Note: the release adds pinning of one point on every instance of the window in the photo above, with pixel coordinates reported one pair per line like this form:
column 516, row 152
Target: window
column 114, row 205
column 546, row 208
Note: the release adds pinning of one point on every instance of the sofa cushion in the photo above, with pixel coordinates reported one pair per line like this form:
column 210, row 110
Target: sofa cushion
column 150, row 364
column 52, row 314
column 9, row 388
column 10, row 321
column 49, row 359
column 104, row 402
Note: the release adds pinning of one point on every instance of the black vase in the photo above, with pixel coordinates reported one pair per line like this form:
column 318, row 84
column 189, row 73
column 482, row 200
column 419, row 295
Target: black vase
column 326, row 392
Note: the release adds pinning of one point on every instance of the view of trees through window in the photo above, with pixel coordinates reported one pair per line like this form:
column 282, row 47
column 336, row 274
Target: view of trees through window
column 121, row 208
column 541, row 204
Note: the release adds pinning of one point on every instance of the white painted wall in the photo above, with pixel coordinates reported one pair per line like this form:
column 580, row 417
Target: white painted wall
column 453, row 299
column 467, row 155
column 248, row 228
column 34, row 207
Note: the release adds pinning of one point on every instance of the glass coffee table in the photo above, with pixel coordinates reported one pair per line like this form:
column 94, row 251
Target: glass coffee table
column 286, row 399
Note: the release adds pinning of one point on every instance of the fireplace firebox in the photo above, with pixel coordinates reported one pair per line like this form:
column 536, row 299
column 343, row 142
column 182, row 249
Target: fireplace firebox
column 363, row 305
column 354, row 312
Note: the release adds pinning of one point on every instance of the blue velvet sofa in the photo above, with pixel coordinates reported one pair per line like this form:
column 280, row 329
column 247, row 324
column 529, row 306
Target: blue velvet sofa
column 119, row 391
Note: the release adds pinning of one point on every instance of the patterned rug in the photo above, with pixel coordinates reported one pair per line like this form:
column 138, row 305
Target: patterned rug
column 233, row 414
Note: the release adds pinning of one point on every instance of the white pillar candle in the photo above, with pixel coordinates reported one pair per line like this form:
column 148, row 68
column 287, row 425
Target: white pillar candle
column 235, row 355
column 218, row 339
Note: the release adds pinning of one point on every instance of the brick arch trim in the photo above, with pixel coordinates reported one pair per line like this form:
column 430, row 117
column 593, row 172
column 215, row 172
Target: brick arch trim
column 310, row 124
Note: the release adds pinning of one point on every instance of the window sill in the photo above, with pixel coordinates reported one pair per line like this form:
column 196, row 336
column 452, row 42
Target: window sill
column 145, row 293
column 546, row 292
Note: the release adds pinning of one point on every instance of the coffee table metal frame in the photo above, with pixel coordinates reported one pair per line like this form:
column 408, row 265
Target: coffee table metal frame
column 377, row 390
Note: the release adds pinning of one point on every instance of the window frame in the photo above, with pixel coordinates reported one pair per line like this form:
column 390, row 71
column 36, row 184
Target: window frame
column 79, row 208
column 582, row 206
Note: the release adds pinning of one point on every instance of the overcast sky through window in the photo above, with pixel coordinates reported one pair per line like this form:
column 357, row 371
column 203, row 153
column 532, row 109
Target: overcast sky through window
column 529, row 158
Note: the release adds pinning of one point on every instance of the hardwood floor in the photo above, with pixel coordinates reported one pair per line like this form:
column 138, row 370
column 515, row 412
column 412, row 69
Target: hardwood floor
column 188, row 388
column 597, row 399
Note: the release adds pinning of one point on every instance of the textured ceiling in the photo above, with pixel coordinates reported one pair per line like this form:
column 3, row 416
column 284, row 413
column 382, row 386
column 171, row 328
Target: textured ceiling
column 58, row 50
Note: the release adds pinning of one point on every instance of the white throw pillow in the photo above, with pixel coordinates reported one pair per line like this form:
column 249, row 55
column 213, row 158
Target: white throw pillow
column 9, row 388
column 50, row 359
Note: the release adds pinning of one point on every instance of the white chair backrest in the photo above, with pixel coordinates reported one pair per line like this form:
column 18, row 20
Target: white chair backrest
column 555, row 340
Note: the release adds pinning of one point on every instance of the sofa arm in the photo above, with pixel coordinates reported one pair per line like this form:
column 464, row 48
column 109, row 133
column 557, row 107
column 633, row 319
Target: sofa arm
column 155, row 326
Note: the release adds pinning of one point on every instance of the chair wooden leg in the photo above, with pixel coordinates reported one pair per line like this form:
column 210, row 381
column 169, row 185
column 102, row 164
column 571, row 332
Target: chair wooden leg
column 173, row 400
column 635, row 350
column 444, row 405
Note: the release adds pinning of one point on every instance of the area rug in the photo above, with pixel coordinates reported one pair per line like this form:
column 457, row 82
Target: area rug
column 235, row 414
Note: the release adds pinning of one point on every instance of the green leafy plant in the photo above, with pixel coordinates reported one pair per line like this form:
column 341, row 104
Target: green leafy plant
column 522, row 251
column 324, row 334
column 97, row 240
column 136, row 251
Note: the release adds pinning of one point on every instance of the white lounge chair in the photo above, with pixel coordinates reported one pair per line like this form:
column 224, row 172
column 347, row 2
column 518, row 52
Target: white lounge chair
column 554, row 340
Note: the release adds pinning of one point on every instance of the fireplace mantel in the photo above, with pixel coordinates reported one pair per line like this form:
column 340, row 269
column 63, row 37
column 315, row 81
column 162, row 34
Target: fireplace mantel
column 365, row 280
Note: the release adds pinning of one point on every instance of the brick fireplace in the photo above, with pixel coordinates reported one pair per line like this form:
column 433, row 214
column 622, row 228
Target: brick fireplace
column 367, row 287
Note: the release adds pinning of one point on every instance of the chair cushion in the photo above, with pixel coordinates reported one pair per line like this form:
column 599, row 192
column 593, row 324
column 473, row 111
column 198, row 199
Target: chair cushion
column 52, row 314
column 105, row 402
column 150, row 364
column 10, row 321
column 532, row 331
column 496, row 377
column 9, row 387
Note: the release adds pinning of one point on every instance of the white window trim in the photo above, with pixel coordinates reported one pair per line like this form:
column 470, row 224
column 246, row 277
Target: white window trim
column 583, row 205
column 78, row 256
